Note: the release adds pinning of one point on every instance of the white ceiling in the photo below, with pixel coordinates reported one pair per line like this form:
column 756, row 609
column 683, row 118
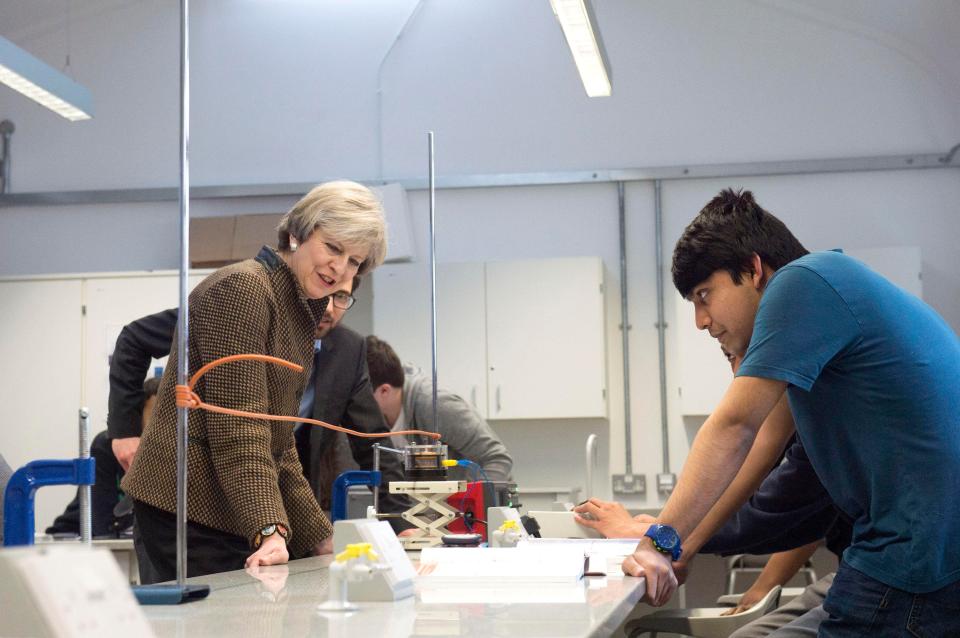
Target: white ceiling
column 925, row 31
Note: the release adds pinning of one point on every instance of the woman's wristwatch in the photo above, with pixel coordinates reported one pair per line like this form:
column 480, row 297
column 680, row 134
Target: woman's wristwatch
column 270, row 530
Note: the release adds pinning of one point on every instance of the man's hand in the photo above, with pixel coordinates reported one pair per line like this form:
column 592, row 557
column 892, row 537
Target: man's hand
column 750, row 598
column 610, row 519
column 324, row 547
column 124, row 450
column 681, row 569
column 273, row 551
column 655, row 567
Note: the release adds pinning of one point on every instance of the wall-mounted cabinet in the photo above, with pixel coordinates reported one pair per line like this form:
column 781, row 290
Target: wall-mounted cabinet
column 517, row 339
column 57, row 337
column 546, row 346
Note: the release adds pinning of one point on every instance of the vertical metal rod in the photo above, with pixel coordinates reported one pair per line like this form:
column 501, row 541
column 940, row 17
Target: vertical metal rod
column 183, row 358
column 433, row 277
column 6, row 130
column 86, row 517
column 376, row 468
column 661, row 326
column 625, row 329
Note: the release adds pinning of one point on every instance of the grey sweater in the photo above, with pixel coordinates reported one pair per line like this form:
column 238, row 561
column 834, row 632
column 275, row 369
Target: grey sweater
column 466, row 434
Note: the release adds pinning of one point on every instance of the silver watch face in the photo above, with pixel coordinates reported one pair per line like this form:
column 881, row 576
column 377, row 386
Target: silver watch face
column 268, row 530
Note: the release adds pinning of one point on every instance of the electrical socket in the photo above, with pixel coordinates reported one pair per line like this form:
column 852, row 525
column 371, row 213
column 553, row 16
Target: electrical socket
column 630, row 484
column 666, row 483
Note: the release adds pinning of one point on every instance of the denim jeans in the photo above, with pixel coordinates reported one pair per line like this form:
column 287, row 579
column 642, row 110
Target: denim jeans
column 861, row 606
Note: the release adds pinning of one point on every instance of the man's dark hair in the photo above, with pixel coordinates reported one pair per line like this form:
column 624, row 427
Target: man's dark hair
column 725, row 235
column 383, row 363
column 150, row 387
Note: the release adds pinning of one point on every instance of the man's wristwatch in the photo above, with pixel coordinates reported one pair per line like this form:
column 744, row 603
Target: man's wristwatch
column 269, row 530
column 665, row 540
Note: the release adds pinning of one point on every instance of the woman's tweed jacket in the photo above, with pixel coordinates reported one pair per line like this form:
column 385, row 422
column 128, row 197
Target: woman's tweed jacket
column 243, row 474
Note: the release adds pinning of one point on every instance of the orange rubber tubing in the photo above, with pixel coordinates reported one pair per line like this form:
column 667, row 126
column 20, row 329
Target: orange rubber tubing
column 187, row 398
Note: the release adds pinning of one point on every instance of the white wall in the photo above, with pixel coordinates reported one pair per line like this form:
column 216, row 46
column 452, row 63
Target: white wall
column 287, row 92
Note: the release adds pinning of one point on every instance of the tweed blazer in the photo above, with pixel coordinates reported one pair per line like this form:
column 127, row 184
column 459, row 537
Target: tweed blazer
column 243, row 474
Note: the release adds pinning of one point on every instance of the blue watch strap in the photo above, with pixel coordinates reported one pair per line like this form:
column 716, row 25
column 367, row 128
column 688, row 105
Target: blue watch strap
column 666, row 540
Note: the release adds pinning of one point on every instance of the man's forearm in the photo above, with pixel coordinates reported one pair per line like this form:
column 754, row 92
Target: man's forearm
column 719, row 451
column 713, row 462
column 766, row 449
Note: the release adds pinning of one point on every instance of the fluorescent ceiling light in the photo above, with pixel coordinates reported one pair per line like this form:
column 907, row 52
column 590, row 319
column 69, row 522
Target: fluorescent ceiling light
column 578, row 24
column 42, row 83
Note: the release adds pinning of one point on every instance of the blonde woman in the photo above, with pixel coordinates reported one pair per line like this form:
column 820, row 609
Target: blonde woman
column 249, row 503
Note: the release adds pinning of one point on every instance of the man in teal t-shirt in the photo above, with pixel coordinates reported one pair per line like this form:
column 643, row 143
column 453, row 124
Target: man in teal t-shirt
column 873, row 379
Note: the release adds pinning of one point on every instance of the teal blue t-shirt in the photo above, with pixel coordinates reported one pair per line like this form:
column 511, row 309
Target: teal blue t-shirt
column 874, row 387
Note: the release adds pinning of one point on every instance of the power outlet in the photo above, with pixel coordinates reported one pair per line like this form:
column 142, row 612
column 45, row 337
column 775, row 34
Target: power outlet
column 666, row 483
column 630, row 484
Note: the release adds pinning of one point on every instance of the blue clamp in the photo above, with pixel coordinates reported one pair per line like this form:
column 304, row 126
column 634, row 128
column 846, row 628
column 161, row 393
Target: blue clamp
column 18, row 501
column 338, row 509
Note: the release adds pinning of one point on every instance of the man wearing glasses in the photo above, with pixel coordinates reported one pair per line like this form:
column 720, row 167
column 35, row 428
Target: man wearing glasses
column 338, row 392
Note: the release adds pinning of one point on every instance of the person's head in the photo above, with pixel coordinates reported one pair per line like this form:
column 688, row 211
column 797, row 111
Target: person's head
column 333, row 233
column 340, row 301
column 386, row 377
column 723, row 261
column 732, row 359
column 150, row 388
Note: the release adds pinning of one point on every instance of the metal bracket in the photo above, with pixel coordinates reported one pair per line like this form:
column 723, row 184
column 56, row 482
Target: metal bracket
column 6, row 131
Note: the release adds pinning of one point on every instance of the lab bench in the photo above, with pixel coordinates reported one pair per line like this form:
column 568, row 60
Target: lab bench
column 282, row 601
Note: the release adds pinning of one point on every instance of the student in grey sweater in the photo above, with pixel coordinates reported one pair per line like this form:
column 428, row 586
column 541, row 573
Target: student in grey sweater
column 405, row 396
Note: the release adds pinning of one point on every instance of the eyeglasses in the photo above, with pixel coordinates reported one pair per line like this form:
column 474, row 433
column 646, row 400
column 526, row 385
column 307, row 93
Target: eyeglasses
column 343, row 300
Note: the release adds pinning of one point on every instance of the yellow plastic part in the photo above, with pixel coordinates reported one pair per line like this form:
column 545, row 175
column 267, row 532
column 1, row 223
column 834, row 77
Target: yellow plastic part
column 357, row 550
column 449, row 463
column 508, row 525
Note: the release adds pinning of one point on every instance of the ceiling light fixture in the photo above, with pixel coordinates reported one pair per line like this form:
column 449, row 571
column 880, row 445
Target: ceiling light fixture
column 579, row 27
column 42, row 83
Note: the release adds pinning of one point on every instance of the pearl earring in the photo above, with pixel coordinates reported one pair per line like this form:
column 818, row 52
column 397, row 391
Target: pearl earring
column 293, row 246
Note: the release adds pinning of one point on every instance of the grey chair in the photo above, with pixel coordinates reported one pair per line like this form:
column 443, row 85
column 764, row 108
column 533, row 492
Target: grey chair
column 703, row 622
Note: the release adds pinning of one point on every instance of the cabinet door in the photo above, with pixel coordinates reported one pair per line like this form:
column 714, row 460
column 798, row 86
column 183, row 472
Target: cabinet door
column 546, row 344
column 111, row 303
column 704, row 372
column 462, row 332
column 40, row 348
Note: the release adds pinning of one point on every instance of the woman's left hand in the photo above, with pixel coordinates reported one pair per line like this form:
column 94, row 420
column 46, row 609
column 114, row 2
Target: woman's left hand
column 324, row 547
column 273, row 551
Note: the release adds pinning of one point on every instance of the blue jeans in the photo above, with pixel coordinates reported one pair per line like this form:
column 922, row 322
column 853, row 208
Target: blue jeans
column 861, row 606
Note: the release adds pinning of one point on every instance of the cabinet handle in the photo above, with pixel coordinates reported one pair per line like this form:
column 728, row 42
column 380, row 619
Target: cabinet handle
column 473, row 396
column 498, row 399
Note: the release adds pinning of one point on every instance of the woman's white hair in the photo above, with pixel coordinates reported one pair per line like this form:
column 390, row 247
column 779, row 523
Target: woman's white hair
column 344, row 211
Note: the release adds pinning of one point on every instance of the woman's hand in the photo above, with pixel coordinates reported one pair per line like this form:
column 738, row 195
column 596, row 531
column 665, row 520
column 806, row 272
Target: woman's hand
column 324, row 547
column 609, row 518
column 272, row 551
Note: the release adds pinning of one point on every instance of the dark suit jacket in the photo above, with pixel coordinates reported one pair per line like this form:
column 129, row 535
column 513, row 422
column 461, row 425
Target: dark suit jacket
column 344, row 396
